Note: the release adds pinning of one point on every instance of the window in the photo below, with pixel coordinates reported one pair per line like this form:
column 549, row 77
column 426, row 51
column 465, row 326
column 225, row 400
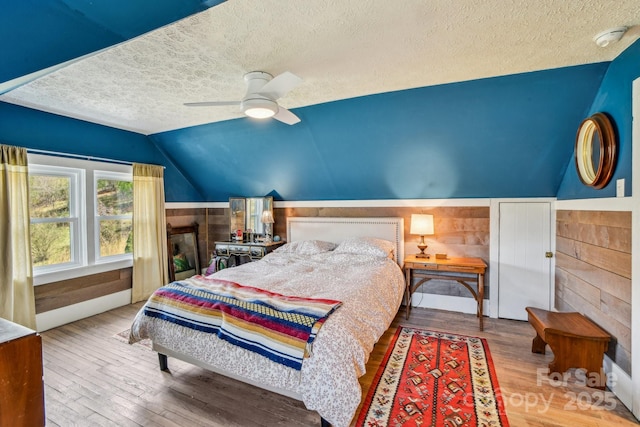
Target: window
column 55, row 216
column 113, row 210
column 81, row 217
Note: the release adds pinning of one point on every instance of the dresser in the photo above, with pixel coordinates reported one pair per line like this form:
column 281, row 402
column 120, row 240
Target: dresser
column 21, row 384
column 245, row 251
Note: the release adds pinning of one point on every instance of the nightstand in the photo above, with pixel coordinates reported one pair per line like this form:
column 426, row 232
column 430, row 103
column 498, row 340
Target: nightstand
column 460, row 270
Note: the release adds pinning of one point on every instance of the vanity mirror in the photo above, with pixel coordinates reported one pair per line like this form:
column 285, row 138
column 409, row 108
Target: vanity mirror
column 182, row 244
column 245, row 217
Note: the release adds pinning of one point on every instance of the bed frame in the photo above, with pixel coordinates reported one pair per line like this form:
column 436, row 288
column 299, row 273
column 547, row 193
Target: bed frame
column 331, row 229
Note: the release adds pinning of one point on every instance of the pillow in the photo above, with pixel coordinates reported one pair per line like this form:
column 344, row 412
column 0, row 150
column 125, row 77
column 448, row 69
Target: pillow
column 306, row 247
column 366, row 246
column 213, row 266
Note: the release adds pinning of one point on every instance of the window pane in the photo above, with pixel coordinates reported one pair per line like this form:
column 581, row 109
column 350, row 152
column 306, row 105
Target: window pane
column 115, row 197
column 50, row 243
column 116, row 237
column 49, row 196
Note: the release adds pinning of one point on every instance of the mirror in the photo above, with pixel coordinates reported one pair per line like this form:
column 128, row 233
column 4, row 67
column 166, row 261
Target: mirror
column 595, row 151
column 237, row 208
column 182, row 248
column 245, row 217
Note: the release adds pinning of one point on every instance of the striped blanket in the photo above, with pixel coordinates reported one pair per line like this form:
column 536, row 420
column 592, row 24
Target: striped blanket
column 281, row 328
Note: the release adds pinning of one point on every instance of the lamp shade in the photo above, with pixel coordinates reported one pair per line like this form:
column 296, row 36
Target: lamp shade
column 421, row 224
column 267, row 217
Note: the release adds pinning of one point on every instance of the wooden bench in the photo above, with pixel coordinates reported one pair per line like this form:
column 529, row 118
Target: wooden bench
column 576, row 342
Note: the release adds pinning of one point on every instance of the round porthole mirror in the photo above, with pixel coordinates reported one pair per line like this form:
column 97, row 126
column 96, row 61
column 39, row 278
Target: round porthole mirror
column 595, row 150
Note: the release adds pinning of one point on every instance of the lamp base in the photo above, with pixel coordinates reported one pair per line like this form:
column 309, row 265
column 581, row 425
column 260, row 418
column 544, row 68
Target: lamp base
column 422, row 246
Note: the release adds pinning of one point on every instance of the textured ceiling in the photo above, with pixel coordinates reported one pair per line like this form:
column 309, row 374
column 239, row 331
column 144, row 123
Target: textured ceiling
column 340, row 49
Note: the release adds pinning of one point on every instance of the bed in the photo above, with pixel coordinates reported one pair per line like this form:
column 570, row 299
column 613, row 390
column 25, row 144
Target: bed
column 351, row 261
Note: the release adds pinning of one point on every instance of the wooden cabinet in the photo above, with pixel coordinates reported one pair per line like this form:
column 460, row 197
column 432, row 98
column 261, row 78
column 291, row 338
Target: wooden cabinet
column 21, row 385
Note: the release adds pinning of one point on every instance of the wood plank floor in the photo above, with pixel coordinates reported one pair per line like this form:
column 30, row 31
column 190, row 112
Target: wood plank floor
column 93, row 379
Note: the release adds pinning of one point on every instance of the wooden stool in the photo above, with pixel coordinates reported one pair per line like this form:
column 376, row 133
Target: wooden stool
column 576, row 342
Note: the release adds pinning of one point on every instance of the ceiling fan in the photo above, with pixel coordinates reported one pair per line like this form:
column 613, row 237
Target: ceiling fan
column 262, row 92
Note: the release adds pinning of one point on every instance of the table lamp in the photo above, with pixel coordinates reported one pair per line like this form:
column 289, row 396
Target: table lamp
column 422, row 225
column 267, row 220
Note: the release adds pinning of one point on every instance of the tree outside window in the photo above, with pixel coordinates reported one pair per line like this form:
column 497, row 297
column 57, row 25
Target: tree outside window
column 53, row 218
column 114, row 210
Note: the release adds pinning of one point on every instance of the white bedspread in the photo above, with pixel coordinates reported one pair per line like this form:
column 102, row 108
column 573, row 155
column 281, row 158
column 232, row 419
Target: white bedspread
column 370, row 289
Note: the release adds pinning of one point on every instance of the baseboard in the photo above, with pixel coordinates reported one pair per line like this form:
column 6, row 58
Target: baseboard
column 449, row 303
column 71, row 313
column 619, row 382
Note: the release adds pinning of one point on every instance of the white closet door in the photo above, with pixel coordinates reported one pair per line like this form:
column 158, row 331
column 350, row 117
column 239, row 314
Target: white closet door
column 524, row 276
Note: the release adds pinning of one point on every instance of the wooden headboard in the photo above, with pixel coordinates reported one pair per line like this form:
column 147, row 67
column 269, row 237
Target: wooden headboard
column 338, row 229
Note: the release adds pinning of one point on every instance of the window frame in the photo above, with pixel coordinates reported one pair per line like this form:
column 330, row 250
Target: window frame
column 87, row 235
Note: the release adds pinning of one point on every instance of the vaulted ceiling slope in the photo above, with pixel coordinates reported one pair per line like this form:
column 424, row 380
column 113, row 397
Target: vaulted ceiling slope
column 35, row 34
column 424, row 100
column 340, row 49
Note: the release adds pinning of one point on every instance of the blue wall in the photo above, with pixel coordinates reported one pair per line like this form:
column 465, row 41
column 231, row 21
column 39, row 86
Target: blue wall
column 614, row 98
column 37, row 130
column 507, row 136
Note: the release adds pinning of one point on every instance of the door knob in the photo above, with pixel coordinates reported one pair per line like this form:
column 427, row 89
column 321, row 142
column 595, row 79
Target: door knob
column 548, row 254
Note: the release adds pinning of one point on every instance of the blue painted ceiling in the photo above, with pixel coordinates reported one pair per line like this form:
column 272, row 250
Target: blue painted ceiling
column 508, row 136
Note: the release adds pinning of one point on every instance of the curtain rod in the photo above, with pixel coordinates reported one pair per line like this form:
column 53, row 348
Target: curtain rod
column 79, row 156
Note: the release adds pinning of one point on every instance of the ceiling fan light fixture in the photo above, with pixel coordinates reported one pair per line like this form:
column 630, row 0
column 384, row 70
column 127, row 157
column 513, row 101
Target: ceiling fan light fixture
column 259, row 108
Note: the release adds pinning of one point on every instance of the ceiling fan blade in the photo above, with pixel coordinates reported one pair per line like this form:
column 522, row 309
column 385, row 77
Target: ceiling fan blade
column 278, row 86
column 286, row 116
column 211, row 103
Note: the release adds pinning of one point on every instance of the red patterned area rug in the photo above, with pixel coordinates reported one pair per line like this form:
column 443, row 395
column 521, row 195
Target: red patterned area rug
column 432, row 378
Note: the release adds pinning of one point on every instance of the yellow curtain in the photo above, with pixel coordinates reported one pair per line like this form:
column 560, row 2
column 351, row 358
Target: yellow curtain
column 17, row 302
column 150, row 267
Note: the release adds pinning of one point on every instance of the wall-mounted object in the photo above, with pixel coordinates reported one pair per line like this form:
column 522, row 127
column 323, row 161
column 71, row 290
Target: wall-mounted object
column 421, row 224
column 596, row 151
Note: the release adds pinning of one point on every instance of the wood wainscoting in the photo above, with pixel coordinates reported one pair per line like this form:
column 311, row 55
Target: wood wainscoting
column 461, row 231
column 80, row 289
column 593, row 273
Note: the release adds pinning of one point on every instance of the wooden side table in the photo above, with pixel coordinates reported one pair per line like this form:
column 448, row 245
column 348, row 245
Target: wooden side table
column 460, row 270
